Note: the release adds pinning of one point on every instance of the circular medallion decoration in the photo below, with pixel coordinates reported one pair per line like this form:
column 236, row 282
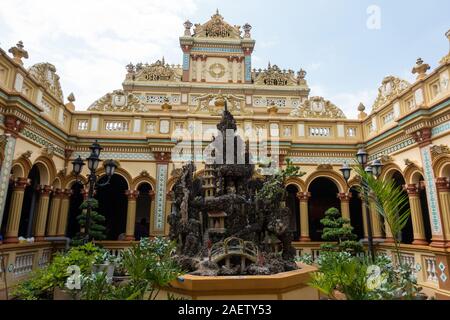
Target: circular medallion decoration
column 217, row 70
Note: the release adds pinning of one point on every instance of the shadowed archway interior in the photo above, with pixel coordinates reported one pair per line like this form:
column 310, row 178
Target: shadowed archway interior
column 30, row 201
column 406, row 235
column 143, row 208
column 76, row 199
column 293, row 204
column 323, row 196
column 356, row 213
column 112, row 204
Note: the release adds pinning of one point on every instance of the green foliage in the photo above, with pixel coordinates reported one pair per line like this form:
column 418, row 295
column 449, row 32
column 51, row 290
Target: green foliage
column 96, row 229
column 150, row 265
column 391, row 203
column 273, row 190
column 360, row 279
column 41, row 283
column 338, row 229
column 305, row 258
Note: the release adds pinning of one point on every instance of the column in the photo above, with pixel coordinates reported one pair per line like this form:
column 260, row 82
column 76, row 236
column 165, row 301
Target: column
column 64, row 213
column 303, row 197
column 377, row 230
column 416, row 214
column 186, row 62
column 159, row 218
column 443, row 187
column 131, row 214
column 389, row 235
column 345, row 204
column 42, row 212
column 248, row 64
column 364, row 216
column 15, row 210
column 13, row 126
column 424, row 141
column 55, row 206
column 169, row 202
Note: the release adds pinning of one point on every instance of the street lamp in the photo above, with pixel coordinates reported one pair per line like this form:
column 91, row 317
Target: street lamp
column 374, row 169
column 92, row 161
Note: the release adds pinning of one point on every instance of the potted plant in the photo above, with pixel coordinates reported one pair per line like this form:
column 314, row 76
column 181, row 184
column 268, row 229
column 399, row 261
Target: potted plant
column 104, row 262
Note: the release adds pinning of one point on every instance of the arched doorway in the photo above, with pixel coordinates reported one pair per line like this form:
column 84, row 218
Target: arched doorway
column 30, row 201
column 143, row 208
column 407, row 235
column 293, row 204
column 356, row 213
column 323, row 196
column 76, row 199
column 112, row 204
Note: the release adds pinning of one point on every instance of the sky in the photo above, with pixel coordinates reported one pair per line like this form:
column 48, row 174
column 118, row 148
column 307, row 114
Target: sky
column 346, row 46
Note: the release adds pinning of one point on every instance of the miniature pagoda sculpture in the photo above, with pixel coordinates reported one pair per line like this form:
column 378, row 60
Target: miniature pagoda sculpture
column 220, row 222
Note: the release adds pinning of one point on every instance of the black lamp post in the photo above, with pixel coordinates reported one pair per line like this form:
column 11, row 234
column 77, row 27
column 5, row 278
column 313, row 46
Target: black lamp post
column 374, row 169
column 92, row 161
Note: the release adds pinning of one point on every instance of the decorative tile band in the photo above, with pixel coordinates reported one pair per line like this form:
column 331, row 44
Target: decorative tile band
column 431, row 190
column 161, row 174
column 440, row 128
column 6, row 172
column 42, row 141
column 186, row 58
column 205, row 49
column 120, row 156
column 321, row 160
column 392, row 149
column 248, row 68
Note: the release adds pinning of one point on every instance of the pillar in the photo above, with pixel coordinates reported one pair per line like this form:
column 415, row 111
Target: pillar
column 416, row 214
column 55, row 206
column 15, row 210
column 158, row 224
column 152, row 211
column 169, row 202
column 131, row 214
column 13, row 126
column 345, row 204
column 64, row 213
column 443, row 187
column 423, row 138
column 377, row 231
column 364, row 215
column 303, row 197
column 42, row 212
column 186, row 62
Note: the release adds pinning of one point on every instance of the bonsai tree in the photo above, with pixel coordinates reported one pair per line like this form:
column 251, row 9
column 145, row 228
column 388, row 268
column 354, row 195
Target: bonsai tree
column 96, row 229
column 338, row 229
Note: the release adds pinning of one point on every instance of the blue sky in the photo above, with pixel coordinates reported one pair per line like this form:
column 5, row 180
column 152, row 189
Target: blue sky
column 91, row 42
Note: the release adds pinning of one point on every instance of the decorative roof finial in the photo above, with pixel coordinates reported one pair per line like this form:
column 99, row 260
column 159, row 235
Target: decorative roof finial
column 421, row 69
column 362, row 114
column 71, row 97
column 247, row 28
column 446, row 59
column 19, row 52
column 217, row 11
column 187, row 28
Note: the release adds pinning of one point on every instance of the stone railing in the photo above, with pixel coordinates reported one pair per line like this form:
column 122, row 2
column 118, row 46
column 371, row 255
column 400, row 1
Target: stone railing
column 17, row 261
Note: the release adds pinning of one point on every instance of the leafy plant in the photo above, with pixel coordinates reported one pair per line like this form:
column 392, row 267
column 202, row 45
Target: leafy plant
column 338, row 229
column 150, row 264
column 391, row 203
column 305, row 258
column 96, row 229
column 41, row 283
column 273, row 189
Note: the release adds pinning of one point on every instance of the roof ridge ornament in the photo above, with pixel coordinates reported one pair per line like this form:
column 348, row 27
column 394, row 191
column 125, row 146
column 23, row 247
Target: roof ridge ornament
column 216, row 27
column 390, row 88
column 317, row 107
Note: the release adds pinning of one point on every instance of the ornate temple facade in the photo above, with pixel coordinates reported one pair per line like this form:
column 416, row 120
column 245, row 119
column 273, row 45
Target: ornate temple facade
column 159, row 105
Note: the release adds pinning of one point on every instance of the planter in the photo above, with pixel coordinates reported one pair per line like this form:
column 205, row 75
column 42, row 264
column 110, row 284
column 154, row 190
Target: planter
column 106, row 268
column 63, row 294
column 421, row 296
